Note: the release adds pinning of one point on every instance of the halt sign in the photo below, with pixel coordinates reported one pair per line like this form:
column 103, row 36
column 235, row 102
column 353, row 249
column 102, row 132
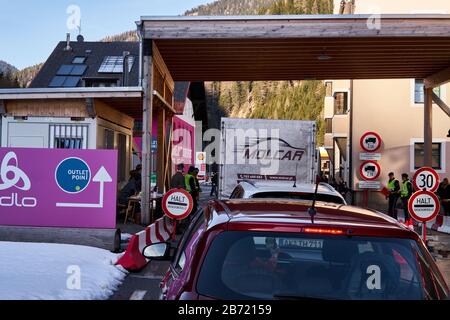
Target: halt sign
column 424, row 206
column 370, row 142
column 426, row 179
column 177, row 204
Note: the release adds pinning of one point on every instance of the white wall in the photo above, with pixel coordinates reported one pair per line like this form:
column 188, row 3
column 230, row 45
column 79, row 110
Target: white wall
column 35, row 132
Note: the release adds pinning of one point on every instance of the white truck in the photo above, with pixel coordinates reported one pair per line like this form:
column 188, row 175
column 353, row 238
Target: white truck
column 266, row 150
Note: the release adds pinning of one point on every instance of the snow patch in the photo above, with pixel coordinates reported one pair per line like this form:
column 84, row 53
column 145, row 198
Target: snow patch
column 35, row 271
column 125, row 237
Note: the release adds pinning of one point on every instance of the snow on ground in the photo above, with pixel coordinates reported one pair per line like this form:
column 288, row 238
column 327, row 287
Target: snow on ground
column 125, row 236
column 35, row 271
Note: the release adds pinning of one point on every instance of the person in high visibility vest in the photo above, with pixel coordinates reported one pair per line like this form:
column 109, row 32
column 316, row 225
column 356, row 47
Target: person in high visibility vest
column 191, row 187
column 393, row 187
column 406, row 192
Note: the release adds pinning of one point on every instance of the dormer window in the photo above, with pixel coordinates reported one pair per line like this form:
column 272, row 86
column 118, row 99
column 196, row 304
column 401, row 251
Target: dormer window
column 79, row 60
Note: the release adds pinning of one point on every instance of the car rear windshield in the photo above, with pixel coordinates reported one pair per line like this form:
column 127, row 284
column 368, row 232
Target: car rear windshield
column 298, row 196
column 245, row 265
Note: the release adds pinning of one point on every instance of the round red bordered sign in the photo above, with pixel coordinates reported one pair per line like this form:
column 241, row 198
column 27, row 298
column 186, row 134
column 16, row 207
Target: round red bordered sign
column 370, row 170
column 177, row 204
column 424, row 206
column 370, row 141
column 426, row 179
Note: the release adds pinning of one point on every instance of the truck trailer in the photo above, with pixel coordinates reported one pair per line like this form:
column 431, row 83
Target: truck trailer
column 266, row 150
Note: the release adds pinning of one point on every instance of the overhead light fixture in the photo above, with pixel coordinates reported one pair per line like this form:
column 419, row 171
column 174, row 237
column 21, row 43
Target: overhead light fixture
column 324, row 57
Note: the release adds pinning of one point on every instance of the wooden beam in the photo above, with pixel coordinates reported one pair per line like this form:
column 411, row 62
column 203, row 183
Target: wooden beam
column 162, row 150
column 428, row 128
column 441, row 104
column 161, row 65
column 307, row 27
column 164, row 103
column 90, row 108
column 147, row 127
column 438, row 79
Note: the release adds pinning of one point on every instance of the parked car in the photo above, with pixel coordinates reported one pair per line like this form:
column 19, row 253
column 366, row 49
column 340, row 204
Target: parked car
column 267, row 249
column 277, row 190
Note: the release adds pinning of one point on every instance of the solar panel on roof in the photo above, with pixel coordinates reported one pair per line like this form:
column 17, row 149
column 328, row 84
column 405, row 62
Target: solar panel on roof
column 57, row 81
column 78, row 70
column 64, row 70
column 71, row 70
column 64, row 82
column 114, row 64
column 71, row 82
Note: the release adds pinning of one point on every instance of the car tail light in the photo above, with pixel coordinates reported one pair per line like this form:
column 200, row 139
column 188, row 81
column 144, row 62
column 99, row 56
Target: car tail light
column 323, row 231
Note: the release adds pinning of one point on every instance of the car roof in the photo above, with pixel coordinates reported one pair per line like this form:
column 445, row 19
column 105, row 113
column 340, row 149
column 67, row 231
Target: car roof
column 287, row 212
column 256, row 187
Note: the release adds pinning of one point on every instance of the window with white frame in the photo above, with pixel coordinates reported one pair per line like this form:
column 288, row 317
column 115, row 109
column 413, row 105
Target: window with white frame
column 68, row 136
column 341, row 103
column 437, row 155
column 419, row 93
column 328, row 125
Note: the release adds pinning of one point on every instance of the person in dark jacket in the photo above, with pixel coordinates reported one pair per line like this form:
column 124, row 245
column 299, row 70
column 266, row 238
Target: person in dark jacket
column 215, row 183
column 197, row 182
column 393, row 187
column 177, row 181
column 132, row 188
column 444, row 195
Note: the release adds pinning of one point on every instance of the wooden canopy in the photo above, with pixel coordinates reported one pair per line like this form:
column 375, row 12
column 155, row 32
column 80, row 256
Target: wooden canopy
column 287, row 48
column 303, row 47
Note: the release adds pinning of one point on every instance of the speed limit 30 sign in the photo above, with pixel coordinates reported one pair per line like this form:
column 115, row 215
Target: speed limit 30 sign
column 424, row 206
column 426, row 179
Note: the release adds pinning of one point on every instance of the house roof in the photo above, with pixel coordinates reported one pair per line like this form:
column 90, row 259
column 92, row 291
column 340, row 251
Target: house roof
column 95, row 52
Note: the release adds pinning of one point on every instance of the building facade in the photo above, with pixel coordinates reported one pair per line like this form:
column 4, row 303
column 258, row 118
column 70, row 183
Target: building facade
column 392, row 108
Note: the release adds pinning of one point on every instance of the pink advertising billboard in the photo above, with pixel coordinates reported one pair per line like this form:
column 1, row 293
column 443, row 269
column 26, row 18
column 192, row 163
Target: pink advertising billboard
column 58, row 188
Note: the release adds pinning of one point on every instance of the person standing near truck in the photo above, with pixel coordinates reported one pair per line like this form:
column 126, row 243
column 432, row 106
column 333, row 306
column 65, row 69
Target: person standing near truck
column 393, row 187
column 405, row 194
column 191, row 187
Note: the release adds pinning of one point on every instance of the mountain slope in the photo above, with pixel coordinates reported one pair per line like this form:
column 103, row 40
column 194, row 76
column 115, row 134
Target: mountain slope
column 291, row 100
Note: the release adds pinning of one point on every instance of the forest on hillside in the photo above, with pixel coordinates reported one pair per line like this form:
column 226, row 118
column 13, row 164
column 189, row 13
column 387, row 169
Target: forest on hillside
column 292, row 100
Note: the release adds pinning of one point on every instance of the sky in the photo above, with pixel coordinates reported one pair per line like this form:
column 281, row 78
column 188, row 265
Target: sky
column 30, row 29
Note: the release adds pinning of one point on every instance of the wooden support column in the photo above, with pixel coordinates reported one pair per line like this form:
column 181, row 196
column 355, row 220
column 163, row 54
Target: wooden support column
column 428, row 127
column 147, row 128
column 2, row 107
column 162, row 150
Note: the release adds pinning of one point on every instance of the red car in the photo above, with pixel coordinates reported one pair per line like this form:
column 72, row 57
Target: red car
column 272, row 249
